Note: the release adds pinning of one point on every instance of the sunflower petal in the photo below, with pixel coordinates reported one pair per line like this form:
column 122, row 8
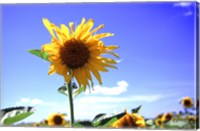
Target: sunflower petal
column 68, row 77
column 98, row 28
column 80, row 27
column 102, row 35
column 71, row 25
column 65, row 30
column 47, row 24
column 112, row 47
column 51, row 70
column 108, row 60
column 112, row 53
column 96, row 74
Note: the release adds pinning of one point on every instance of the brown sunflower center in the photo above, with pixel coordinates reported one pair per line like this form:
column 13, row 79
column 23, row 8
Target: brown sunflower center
column 187, row 102
column 57, row 120
column 74, row 54
column 168, row 117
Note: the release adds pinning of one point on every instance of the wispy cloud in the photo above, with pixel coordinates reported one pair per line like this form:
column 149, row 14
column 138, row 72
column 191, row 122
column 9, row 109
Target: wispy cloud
column 34, row 102
column 182, row 4
column 135, row 98
column 188, row 13
column 117, row 90
column 186, row 6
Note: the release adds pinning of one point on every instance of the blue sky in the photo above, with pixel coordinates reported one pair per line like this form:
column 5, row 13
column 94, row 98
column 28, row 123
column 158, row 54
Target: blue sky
column 157, row 54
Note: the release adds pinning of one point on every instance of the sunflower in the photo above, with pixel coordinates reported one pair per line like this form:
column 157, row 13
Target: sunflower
column 159, row 122
column 187, row 102
column 167, row 117
column 191, row 118
column 56, row 119
column 78, row 52
column 159, row 116
column 36, row 124
column 129, row 120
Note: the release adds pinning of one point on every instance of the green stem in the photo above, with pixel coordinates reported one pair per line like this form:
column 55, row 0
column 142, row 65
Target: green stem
column 71, row 104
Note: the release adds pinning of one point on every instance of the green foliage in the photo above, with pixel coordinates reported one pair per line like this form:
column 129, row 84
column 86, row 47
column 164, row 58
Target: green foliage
column 78, row 92
column 18, row 117
column 136, row 110
column 63, row 90
column 39, row 53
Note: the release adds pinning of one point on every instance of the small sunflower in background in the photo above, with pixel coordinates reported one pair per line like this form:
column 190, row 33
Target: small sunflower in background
column 76, row 52
column 130, row 120
column 159, row 122
column 36, row 124
column 56, row 119
column 187, row 102
column 191, row 118
column 167, row 117
column 159, row 116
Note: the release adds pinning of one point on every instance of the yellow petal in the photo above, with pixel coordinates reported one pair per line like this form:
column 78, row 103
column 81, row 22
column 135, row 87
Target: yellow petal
column 96, row 29
column 68, row 77
column 112, row 47
column 96, row 64
column 115, row 54
column 79, row 28
column 77, row 76
column 51, row 70
column 102, row 35
column 85, row 31
column 65, row 30
column 108, row 60
column 47, row 24
column 53, row 57
column 71, row 25
column 96, row 74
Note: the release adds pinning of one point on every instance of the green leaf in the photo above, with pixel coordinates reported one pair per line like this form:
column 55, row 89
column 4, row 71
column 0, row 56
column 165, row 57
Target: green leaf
column 39, row 53
column 149, row 122
column 136, row 110
column 98, row 116
column 101, row 121
column 77, row 92
column 110, row 122
column 18, row 117
column 63, row 90
column 77, row 124
column 86, row 123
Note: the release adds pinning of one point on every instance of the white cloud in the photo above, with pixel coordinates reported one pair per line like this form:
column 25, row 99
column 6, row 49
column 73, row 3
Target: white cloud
column 182, row 4
column 135, row 98
column 34, row 102
column 117, row 90
column 188, row 13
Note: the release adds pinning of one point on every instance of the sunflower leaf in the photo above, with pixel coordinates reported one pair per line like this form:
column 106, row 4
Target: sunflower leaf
column 15, row 114
column 110, row 122
column 79, row 91
column 103, row 119
column 98, row 116
column 39, row 53
column 149, row 122
column 77, row 124
column 11, row 120
column 63, row 90
column 136, row 110
column 84, row 124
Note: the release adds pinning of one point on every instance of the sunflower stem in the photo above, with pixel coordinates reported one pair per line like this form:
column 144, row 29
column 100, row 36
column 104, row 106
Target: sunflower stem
column 71, row 104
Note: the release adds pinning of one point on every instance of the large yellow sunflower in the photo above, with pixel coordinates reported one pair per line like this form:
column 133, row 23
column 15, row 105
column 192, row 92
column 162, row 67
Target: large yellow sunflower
column 78, row 52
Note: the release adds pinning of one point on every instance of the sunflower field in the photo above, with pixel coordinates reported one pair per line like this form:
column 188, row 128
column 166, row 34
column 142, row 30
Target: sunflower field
column 167, row 120
column 78, row 55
